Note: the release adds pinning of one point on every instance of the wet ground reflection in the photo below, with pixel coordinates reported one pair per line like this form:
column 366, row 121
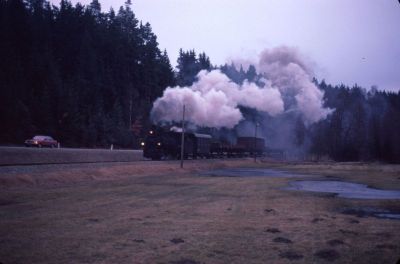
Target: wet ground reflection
column 344, row 189
column 252, row 172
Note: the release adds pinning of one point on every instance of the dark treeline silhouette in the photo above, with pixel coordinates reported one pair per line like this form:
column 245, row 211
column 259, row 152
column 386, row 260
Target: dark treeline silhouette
column 365, row 125
column 76, row 73
column 189, row 66
column 238, row 76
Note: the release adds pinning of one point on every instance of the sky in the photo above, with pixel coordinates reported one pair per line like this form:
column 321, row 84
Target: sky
column 348, row 42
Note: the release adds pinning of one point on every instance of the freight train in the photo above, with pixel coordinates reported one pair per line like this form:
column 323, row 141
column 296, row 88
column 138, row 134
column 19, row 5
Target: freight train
column 161, row 144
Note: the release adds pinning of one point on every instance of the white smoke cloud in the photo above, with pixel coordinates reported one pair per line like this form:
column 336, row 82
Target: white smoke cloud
column 214, row 99
column 285, row 68
column 265, row 99
column 211, row 109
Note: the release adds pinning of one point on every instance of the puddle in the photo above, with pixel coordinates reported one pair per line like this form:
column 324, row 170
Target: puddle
column 374, row 212
column 251, row 172
column 389, row 216
column 344, row 189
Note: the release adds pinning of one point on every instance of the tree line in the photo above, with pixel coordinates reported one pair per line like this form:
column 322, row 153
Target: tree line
column 364, row 126
column 76, row 73
column 85, row 76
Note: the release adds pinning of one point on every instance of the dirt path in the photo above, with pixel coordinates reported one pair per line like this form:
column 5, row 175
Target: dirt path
column 159, row 214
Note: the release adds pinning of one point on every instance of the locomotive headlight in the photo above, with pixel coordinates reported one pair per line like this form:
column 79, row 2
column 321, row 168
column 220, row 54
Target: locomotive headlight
column 151, row 132
column 142, row 144
column 159, row 144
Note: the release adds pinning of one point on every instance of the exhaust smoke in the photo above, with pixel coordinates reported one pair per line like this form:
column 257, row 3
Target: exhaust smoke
column 214, row 100
column 285, row 68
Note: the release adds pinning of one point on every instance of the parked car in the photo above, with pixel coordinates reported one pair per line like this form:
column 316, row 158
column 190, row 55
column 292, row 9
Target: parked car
column 41, row 141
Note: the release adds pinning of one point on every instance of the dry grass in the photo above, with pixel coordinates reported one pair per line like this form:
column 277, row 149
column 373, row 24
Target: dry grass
column 156, row 213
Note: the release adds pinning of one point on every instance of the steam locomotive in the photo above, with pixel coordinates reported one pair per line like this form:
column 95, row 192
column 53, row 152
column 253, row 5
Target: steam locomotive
column 166, row 144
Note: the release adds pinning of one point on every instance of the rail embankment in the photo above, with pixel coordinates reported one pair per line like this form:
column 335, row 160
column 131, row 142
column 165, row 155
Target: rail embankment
column 25, row 156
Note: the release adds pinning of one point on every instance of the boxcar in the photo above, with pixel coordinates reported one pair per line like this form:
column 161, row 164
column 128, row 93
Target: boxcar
column 251, row 144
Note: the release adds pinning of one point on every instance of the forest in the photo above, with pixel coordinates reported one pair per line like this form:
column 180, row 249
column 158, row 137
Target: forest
column 76, row 73
column 85, row 76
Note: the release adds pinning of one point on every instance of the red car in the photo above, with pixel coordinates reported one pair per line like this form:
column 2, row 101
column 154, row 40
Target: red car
column 41, row 141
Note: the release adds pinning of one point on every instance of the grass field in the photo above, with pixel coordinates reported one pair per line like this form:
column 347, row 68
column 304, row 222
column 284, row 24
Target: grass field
column 153, row 212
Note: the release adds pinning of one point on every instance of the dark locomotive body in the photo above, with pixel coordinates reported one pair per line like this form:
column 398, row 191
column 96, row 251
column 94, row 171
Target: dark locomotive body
column 162, row 144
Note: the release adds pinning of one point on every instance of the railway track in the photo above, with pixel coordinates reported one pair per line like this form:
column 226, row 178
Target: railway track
column 111, row 162
column 25, row 157
column 20, row 156
column 67, row 163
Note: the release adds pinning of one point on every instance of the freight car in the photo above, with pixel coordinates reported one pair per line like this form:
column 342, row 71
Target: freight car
column 162, row 144
column 252, row 145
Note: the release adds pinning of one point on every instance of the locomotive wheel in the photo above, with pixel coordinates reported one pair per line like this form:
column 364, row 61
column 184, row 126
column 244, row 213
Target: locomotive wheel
column 156, row 158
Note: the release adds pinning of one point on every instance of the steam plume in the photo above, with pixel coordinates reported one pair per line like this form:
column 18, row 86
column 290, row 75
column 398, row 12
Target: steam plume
column 214, row 100
column 287, row 70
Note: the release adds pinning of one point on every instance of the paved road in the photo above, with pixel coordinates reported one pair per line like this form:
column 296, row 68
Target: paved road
column 23, row 155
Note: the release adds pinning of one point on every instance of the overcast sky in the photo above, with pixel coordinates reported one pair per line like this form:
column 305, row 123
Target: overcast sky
column 356, row 41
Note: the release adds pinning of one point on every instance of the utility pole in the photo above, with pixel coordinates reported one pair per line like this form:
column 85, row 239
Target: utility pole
column 183, row 136
column 255, row 144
